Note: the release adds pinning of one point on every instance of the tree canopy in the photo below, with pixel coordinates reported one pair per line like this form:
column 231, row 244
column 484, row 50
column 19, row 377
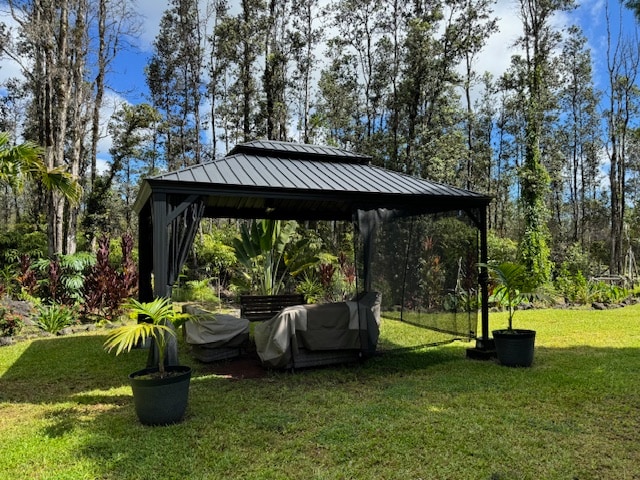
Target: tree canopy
column 394, row 79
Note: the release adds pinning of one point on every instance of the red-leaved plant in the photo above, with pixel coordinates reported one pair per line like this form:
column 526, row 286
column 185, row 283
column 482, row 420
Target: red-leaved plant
column 106, row 289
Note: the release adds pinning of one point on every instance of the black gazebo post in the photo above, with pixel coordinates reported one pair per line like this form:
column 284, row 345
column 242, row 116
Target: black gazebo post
column 485, row 347
column 153, row 251
column 145, row 254
column 160, row 242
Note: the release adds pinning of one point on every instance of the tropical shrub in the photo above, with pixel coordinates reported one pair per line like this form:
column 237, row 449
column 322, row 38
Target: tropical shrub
column 10, row 324
column 501, row 249
column 27, row 277
column 269, row 250
column 602, row 292
column 577, row 260
column 573, row 287
column 336, row 276
column 105, row 288
column 310, row 287
column 214, row 254
column 53, row 318
column 196, row 291
column 6, row 280
column 461, row 301
column 22, row 240
column 63, row 277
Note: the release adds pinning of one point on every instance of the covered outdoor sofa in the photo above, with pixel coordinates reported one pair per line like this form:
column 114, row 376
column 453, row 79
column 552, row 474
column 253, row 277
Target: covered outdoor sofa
column 320, row 334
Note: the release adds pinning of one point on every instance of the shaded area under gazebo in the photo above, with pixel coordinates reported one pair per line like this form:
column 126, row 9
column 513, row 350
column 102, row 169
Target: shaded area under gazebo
column 289, row 181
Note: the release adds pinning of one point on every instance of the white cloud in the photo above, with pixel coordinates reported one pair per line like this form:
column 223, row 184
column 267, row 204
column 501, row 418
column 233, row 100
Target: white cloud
column 151, row 11
column 111, row 103
column 496, row 56
column 9, row 67
column 102, row 165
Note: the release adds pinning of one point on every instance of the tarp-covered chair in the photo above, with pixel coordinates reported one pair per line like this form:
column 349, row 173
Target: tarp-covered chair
column 214, row 337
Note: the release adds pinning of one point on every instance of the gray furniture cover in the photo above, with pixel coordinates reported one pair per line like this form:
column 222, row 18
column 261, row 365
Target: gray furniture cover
column 214, row 336
column 331, row 328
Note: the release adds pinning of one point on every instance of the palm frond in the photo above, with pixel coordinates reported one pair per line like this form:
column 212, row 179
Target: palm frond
column 125, row 338
column 63, row 182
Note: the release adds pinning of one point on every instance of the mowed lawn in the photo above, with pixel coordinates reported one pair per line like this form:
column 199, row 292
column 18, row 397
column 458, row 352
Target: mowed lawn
column 66, row 412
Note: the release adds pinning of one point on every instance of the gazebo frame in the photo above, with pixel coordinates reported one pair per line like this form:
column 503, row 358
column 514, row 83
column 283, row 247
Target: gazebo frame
column 289, row 181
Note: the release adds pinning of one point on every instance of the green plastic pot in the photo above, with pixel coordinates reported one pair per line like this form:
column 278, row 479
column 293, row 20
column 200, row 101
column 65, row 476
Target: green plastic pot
column 161, row 401
column 514, row 348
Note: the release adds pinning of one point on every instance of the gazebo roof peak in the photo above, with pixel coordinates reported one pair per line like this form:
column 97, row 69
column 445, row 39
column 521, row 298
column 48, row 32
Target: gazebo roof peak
column 299, row 151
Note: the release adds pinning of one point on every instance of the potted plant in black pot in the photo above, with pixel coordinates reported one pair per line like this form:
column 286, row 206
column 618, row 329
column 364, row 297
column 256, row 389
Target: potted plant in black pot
column 514, row 285
column 160, row 393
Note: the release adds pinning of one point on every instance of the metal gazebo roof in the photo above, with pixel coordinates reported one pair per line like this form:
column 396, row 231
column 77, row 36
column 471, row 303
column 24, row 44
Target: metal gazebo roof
column 268, row 179
column 281, row 180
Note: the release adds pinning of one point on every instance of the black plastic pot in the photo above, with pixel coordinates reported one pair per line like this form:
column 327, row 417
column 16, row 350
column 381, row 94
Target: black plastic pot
column 514, row 348
column 161, row 401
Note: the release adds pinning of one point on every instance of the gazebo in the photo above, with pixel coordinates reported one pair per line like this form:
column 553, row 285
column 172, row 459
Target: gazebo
column 288, row 181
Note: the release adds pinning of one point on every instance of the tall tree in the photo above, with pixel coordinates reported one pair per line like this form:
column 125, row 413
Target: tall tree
column 217, row 67
column 250, row 28
column 116, row 22
column 175, row 83
column 623, row 63
column 430, row 102
column 275, row 70
column 477, row 25
column 338, row 106
column 53, row 36
column 359, row 26
column 304, row 38
column 538, row 41
column 393, row 28
column 237, row 41
column 109, row 207
column 132, row 131
column 580, row 132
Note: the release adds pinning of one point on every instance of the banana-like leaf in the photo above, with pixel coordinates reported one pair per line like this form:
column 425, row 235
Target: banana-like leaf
column 260, row 248
column 268, row 232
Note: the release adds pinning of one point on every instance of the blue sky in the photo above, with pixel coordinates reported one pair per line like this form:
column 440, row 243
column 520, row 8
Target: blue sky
column 590, row 15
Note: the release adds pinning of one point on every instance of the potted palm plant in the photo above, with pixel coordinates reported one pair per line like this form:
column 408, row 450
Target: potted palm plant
column 514, row 285
column 160, row 393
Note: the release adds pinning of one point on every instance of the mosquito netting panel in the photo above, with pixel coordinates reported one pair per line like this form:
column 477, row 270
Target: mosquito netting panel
column 425, row 266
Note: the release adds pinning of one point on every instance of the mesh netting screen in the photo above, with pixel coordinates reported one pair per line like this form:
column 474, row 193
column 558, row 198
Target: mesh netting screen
column 424, row 266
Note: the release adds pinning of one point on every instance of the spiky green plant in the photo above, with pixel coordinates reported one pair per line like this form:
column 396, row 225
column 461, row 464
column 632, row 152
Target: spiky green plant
column 53, row 318
column 159, row 317
column 268, row 250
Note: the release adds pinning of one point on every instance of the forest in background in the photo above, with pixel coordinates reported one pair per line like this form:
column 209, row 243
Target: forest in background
column 394, row 79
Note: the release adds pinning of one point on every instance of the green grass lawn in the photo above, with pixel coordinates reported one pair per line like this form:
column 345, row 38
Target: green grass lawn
column 66, row 412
